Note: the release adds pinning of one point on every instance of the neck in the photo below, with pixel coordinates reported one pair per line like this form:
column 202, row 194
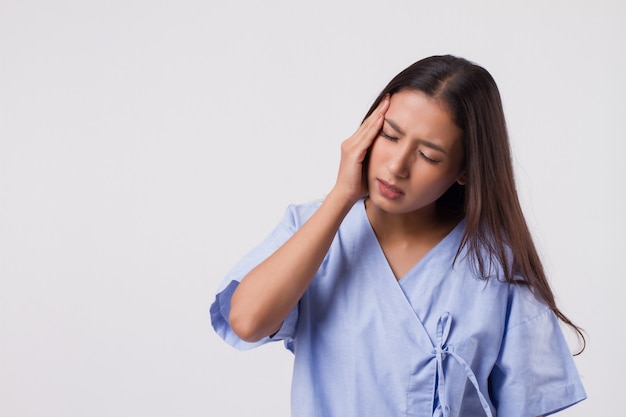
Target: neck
column 427, row 220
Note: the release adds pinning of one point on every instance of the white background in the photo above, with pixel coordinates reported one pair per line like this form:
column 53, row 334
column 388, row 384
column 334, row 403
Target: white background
column 145, row 146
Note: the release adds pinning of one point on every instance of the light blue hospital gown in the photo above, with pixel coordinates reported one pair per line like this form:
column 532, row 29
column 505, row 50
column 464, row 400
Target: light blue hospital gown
column 439, row 342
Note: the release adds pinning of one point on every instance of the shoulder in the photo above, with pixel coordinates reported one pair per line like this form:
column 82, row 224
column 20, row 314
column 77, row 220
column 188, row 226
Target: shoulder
column 520, row 303
column 525, row 306
column 297, row 214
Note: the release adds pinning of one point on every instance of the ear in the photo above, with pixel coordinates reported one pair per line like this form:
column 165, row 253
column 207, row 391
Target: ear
column 462, row 178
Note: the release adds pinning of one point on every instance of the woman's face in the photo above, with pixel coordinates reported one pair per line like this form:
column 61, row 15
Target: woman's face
column 417, row 156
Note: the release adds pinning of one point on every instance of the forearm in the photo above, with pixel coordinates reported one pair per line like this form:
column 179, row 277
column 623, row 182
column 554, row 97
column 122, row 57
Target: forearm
column 270, row 291
column 265, row 296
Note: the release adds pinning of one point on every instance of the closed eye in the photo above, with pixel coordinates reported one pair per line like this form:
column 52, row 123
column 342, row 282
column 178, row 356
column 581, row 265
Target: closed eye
column 428, row 159
column 388, row 137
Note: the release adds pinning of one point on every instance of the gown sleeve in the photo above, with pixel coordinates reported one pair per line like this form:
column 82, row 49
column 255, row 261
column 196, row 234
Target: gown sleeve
column 535, row 372
column 220, row 306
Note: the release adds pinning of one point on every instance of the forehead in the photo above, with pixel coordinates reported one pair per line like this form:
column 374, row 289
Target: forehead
column 422, row 116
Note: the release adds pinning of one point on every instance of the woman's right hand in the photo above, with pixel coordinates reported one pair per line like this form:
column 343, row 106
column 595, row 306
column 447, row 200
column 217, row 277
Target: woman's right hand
column 352, row 178
column 267, row 294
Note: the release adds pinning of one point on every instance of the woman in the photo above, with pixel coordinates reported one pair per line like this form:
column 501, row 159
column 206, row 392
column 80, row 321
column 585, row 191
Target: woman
column 414, row 288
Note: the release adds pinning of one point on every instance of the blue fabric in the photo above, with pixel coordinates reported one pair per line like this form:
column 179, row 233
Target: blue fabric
column 439, row 342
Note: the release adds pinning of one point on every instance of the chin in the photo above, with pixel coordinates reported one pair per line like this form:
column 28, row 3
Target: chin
column 387, row 205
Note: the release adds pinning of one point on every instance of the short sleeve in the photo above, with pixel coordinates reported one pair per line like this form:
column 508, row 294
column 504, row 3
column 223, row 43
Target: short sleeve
column 535, row 373
column 220, row 306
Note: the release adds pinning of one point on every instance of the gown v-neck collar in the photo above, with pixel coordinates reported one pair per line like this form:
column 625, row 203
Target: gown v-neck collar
column 424, row 260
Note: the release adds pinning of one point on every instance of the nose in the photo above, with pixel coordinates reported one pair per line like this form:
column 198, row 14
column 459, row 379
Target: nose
column 400, row 162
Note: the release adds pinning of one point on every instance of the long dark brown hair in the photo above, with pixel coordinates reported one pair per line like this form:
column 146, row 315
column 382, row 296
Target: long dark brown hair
column 496, row 230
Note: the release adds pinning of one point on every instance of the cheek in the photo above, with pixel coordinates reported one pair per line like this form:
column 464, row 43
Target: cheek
column 374, row 154
column 375, row 146
column 433, row 179
column 381, row 150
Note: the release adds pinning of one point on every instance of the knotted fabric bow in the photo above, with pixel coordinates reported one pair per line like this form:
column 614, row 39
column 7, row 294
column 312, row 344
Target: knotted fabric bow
column 441, row 351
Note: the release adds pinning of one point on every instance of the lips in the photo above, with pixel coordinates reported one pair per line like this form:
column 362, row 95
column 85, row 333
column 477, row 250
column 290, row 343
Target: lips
column 389, row 191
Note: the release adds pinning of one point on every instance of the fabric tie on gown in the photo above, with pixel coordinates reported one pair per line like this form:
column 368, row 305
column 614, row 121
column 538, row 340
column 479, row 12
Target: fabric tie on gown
column 440, row 351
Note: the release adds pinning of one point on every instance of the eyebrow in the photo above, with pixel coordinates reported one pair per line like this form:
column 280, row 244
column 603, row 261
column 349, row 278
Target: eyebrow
column 432, row 145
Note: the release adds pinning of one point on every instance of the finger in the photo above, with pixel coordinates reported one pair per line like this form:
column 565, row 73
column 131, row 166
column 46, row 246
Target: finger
column 381, row 109
column 382, row 106
column 369, row 129
column 375, row 119
column 367, row 132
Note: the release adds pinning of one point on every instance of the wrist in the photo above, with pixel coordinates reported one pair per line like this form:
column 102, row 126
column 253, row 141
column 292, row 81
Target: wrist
column 342, row 202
